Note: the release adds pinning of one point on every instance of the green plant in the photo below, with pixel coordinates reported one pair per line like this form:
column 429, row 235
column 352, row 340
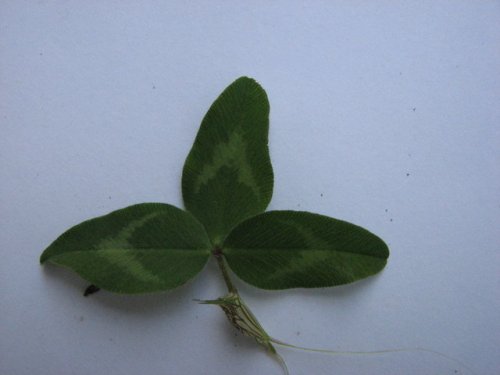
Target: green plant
column 227, row 184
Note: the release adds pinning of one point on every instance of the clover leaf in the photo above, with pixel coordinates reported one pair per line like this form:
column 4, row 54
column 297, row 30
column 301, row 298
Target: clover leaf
column 227, row 184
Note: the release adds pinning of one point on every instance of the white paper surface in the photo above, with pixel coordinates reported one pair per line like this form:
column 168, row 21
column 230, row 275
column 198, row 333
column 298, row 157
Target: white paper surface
column 385, row 114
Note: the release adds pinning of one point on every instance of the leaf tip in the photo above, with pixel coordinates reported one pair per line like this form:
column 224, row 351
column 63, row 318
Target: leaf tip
column 245, row 80
column 385, row 249
column 43, row 257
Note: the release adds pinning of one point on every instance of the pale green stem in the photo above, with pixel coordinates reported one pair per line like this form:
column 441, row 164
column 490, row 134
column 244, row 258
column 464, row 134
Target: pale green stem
column 264, row 339
column 222, row 265
column 243, row 313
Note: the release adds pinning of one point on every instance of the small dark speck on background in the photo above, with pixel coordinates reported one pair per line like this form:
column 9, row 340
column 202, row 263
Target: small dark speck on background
column 391, row 219
column 414, row 109
column 154, row 87
column 386, row 210
column 407, row 175
column 321, row 195
column 82, row 319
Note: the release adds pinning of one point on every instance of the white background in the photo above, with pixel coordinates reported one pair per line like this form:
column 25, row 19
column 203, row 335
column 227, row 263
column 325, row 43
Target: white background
column 385, row 114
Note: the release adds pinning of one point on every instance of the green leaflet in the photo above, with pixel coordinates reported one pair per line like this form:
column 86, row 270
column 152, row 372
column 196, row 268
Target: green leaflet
column 142, row 248
column 228, row 175
column 292, row 249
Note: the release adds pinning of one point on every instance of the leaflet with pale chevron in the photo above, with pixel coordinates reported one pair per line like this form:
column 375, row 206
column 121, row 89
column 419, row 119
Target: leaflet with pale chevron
column 142, row 248
column 228, row 175
column 294, row 249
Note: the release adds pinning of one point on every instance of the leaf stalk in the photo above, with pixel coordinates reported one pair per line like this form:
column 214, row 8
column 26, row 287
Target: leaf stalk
column 217, row 252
